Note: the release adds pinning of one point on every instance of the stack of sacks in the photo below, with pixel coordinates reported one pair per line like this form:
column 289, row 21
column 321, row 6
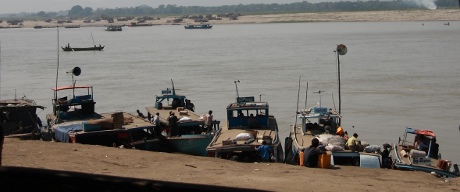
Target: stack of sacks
column 332, row 142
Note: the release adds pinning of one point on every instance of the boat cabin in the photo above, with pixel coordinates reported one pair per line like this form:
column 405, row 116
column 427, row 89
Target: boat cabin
column 318, row 120
column 19, row 116
column 422, row 140
column 248, row 114
column 80, row 105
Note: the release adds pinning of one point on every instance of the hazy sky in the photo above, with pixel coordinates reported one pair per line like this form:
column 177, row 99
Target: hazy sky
column 17, row 6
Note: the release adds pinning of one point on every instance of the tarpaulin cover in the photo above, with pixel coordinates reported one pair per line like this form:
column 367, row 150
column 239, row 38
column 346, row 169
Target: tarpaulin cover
column 61, row 133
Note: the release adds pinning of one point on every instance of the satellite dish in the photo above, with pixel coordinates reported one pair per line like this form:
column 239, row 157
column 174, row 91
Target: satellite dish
column 341, row 49
column 76, row 71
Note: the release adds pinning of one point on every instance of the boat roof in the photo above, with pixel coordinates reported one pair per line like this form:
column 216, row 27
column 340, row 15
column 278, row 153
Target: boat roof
column 317, row 112
column 19, row 103
column 71, row 87
column 248, row 105
column 420, row 132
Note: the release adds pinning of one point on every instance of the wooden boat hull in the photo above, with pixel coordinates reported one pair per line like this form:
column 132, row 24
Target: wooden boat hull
column 191, row 144
column 22, row 116
column 404, row 163
column 95, row 48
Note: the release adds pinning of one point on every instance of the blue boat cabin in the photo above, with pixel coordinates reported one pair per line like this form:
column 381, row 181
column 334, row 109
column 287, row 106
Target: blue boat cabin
column 246, row 113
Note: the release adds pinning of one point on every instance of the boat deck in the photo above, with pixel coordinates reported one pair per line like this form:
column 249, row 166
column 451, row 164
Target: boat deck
column 304, row 141
column 223, row 141
column 164, row 113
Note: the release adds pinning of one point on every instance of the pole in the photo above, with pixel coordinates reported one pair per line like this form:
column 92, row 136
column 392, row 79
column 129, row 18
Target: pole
column 338, row 75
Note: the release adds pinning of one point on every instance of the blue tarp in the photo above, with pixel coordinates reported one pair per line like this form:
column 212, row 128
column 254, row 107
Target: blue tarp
column 61, row 133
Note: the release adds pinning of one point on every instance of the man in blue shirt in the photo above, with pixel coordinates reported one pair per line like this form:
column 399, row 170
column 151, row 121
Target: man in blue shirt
column 264, row 151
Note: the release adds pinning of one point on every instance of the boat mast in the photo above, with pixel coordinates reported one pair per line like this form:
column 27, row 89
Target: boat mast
column 57, row 70
column 93, row 39
column 173, row 90
column 340, row 50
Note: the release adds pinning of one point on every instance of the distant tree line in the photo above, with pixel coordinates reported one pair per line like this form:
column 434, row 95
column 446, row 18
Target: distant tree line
column 371, row 5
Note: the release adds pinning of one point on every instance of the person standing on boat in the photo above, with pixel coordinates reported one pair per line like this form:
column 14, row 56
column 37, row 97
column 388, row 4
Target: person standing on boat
column 156, row 121
column 265, row 152
column 311, row 154
column 353, row 143
column 172, row 119
column 208, row 121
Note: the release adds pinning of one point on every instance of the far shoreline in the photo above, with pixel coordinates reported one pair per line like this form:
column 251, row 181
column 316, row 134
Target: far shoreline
column 359, row 16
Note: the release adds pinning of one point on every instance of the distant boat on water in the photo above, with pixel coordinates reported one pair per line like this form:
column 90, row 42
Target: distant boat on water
column 94, row 48
column 114, row 28
column 203, row 26
column 72, row 26
column 133, row 24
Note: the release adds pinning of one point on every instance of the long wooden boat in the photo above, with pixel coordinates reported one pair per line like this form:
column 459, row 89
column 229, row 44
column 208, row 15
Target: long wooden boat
column 193, row 138
column 94, row 48
column 406, row 155
column 203, row 26
column 249, row 123
column 19, row 117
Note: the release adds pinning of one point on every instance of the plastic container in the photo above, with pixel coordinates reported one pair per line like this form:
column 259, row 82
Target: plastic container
column 324, row 161
column 301, row 158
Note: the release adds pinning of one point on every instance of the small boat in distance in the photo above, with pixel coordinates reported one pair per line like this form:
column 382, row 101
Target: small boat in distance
column 203, row 26
column 114, row 28
column 94, row 48
column 134, row 24
column 72, row 26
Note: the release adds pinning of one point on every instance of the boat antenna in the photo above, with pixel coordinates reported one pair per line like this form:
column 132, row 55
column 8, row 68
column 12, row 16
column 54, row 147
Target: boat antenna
column 173, row 90
column 306, row 95
column 237, row 95
column 297, row 103
column 319, row 92
column 333, row 101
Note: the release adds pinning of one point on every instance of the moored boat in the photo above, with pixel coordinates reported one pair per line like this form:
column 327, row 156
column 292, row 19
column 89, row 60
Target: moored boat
column 191, row 136
column 249, row 123
column 323, row 123
column 114, row 28
column 418, row 150
column 202, row 26
column 19, row 117
column 94, row 48
column 74, row 120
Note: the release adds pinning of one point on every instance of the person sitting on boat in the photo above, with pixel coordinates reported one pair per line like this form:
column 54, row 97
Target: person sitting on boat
column 352, row 143
column 141, row 115
column 420, row 143
column 189, row 105
column 311, row 154
column 252, row 122
column 265, row 152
